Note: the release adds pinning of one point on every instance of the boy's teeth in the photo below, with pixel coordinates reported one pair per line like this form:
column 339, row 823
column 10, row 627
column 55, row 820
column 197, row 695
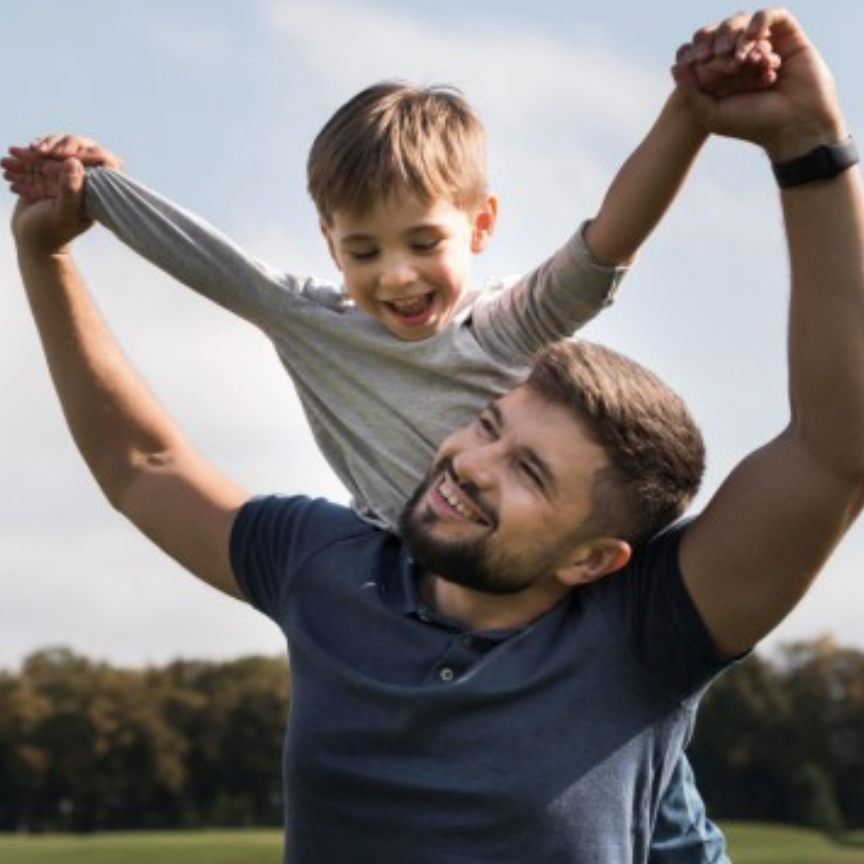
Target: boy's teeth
column 412, row 305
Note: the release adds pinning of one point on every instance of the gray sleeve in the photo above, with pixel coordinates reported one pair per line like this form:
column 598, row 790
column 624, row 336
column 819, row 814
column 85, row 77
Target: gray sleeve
column 186, row 247
column 550, row 303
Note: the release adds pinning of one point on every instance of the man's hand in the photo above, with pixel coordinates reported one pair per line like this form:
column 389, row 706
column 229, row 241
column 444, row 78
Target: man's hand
column 727, row 62
column 791, row 117
column 49, row 225
column 33, row 172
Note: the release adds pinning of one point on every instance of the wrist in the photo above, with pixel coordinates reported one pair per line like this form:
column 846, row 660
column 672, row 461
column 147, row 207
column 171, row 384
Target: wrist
column 802, row 139
column 37, row 257
column 823, row 162
column 687, row 125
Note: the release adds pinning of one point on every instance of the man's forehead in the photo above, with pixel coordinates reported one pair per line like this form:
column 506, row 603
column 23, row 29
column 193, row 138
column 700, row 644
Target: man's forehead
column 528, row 413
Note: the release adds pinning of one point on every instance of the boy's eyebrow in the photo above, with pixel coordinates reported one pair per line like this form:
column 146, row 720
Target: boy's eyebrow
column 529, row 454
column 359, row 237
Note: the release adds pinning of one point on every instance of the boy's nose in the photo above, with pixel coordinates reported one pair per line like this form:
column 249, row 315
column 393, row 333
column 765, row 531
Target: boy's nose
column 397, row 274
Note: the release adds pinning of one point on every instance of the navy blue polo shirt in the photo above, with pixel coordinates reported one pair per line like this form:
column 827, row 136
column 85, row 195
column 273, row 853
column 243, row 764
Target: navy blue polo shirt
column 412, row 739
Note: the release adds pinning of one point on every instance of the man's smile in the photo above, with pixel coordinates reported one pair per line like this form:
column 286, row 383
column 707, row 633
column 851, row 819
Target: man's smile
column 456, row 499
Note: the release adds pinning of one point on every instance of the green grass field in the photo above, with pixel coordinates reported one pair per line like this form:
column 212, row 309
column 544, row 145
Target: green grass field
column 748, row 844
column 169, row 847
column 770, row 844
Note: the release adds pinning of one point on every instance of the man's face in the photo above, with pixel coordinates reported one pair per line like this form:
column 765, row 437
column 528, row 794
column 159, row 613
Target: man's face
column 501, row 509
column 406, row 263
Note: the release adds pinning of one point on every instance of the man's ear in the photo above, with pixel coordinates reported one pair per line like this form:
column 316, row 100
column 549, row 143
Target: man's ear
column 595, row 559
column 484, row 224
column 325, row 231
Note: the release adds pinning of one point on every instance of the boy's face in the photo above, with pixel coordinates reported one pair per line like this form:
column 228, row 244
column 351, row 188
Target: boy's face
column 406, row 262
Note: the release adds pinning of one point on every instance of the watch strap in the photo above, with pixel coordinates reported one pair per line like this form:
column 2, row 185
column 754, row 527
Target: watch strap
column 823, row 163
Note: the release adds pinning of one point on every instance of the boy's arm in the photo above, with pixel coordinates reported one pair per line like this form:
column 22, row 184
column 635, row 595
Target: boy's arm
column 649, row 180
column 141, row 460
column 752, row 554
column 177, row 241
column 646, row 184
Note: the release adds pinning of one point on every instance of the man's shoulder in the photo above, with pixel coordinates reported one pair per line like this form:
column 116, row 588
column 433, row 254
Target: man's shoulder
column 311, row 518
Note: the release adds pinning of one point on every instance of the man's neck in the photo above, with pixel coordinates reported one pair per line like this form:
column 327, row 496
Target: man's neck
column 481, row 611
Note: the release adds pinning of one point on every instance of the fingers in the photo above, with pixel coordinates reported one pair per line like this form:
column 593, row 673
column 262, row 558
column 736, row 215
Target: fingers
column 65, row 146
column 736, row 55
column 30, row 176
column 62, row 146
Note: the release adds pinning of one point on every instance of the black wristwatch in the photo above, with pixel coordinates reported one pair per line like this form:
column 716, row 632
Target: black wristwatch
column 823, row 163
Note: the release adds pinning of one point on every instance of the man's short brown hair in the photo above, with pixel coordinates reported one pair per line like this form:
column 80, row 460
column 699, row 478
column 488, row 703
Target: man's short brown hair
column 396, row 139
column 656, row 452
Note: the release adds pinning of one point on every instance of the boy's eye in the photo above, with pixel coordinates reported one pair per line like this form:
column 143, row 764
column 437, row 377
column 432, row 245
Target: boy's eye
column 362, row 255
column 425, row 245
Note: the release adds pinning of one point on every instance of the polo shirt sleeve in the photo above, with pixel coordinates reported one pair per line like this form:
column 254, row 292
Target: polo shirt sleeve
column 271, row 539
column 651, row 611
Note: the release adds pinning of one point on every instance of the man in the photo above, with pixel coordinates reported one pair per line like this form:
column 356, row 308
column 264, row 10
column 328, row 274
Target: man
column 517, row 681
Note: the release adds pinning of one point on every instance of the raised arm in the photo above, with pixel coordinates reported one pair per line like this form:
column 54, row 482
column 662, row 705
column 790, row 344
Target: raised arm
column 651, row 177
column 179, row 242
column 755, row 550
column 137, row 454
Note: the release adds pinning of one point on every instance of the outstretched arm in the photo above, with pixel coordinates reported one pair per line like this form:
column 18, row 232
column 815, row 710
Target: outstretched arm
column 650, row 179
column 177, row 241
column 143, row 463
column 753, row 553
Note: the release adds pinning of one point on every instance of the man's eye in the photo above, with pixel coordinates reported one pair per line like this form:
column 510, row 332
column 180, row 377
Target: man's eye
column 486, row 426
column 533, row 475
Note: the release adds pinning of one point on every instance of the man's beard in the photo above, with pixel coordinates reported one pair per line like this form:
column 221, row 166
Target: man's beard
column 472, row 564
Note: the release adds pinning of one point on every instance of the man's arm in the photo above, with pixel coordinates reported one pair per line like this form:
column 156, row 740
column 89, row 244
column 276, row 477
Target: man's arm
column 753, row 553
column 143, row 463
column 651, row 177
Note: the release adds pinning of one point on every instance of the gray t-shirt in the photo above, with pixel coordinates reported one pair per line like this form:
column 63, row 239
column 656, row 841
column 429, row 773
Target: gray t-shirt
column 377, row 406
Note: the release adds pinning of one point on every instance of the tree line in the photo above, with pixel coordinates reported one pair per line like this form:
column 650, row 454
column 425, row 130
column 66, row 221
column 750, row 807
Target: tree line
column 782, row 738
column 87, row 746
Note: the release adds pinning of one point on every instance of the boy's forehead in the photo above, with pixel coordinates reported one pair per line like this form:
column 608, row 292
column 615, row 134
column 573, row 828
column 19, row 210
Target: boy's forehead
column 407, row 211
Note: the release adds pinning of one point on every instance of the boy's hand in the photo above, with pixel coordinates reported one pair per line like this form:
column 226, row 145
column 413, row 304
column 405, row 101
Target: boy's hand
column 798, row 112
column 33, row 172
column 726, row 58
column 46, row 226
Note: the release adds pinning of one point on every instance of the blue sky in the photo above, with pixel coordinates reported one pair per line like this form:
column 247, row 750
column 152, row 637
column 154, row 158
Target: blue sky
column 215, row 103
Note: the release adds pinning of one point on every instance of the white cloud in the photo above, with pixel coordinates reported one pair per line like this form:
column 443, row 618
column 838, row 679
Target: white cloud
column 519, row 75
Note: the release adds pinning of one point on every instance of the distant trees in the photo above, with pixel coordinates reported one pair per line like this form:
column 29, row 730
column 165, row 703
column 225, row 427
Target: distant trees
column 87, row 746
column 783, row 740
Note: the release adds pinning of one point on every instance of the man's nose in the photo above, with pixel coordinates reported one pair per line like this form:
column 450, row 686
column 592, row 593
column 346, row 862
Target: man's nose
column 476, row 465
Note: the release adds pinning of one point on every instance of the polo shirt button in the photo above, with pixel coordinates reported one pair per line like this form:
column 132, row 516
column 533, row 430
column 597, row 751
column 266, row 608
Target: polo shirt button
column 445, row 673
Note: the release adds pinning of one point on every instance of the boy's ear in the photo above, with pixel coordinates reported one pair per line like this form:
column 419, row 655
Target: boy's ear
column 325, row 231
column 484, row 224
column 594, row 559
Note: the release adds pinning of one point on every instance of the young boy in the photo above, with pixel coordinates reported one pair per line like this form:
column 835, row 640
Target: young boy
column 405, row 351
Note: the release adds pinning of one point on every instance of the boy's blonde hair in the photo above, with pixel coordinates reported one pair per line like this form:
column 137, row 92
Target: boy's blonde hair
column 397, row 139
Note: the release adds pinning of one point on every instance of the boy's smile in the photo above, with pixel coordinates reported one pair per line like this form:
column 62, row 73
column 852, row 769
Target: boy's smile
column 406, row 262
